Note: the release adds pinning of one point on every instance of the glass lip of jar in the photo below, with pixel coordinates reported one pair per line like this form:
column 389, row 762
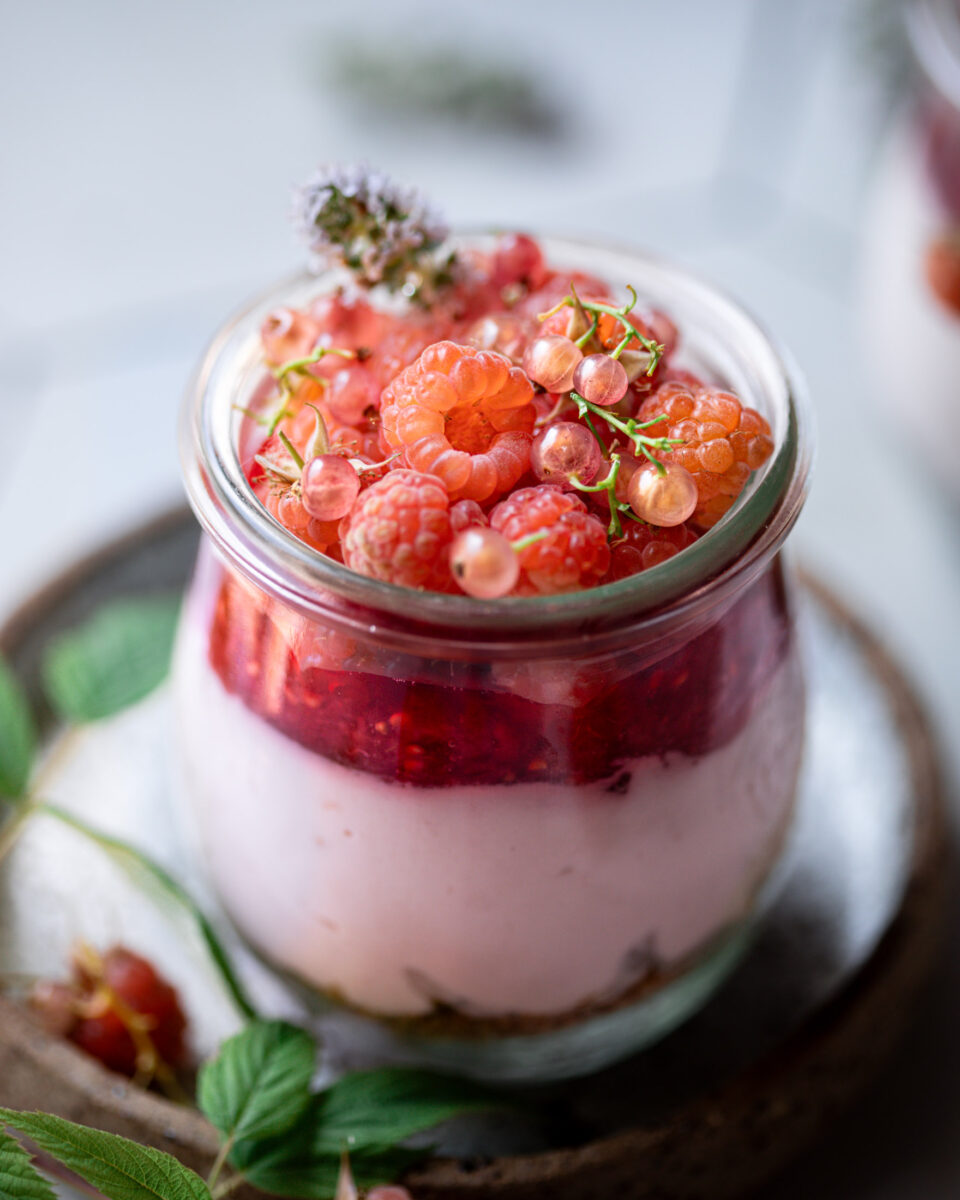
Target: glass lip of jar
column 724, row 559
column 933, row 30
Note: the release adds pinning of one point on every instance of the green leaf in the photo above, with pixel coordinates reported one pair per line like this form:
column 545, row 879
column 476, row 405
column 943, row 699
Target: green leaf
column 307, row 1177
column 366, row 1112
column 137, row 862
column 120, row 1169
column 19, row 1178
column 259, row 1083
column 114, row 659
column 385, row 1106
column 18, row 736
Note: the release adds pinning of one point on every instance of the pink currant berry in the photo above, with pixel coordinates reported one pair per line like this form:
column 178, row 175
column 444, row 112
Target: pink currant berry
column 565, row 451
column 551, row 361
column 663, row 499
column 329, row 486
column 352, row 392
column 484, row 563
column 601, row 380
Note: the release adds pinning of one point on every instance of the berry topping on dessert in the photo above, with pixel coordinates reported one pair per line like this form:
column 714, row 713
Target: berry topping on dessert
column 118, row 1009
column 493, row 372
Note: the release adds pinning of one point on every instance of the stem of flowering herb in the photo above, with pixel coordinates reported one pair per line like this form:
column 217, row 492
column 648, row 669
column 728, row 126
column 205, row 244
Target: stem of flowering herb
column 291, row 450
column 530, row 540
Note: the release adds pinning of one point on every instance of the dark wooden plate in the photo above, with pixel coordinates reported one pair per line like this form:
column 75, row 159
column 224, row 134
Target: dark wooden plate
column 722, row 1103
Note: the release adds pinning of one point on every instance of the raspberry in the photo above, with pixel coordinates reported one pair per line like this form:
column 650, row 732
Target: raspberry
column 573, row 554
column 943, row 270
column 399, row 531
column 517, row 258
column 644, row 546
column 722, row 442
column 466, row 514
column 464, row 415
column 118, row 1009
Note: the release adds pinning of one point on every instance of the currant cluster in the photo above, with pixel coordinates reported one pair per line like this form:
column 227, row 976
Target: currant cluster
column 117, row 1008
column 524, row 435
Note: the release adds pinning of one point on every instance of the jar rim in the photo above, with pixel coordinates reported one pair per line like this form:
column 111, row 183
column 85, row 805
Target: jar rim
column 723, row 559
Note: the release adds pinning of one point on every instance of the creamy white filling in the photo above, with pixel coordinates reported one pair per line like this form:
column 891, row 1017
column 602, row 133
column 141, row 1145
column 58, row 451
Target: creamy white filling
column 531, row 898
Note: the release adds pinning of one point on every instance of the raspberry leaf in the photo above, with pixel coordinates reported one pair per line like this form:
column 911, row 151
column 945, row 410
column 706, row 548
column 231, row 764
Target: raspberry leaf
column 295, row 1171
column 18, row 738
column 381, row 1107
column 259, row 1083
column 111, row 661
column 19, row 1178
column 118, row 1168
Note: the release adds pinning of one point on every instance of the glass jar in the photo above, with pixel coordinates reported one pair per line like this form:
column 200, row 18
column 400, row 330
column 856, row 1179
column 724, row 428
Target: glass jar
column 910, row 305
column 528, row 835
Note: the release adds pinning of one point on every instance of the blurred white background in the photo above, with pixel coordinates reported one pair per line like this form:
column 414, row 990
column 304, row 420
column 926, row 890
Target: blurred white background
column 147, row 155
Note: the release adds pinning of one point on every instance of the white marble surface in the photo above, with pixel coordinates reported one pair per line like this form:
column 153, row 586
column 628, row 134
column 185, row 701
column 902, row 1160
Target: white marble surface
column 145, row 161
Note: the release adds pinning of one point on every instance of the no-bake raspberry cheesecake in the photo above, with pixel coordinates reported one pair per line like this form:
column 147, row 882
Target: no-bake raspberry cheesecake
column 488, row 687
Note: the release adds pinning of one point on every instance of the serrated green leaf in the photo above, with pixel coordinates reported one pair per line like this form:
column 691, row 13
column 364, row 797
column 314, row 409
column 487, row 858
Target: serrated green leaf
column 259, row 1083
column 111, row 661
column 18, row 736
column 311, row 1178
column 120, row 1169
column 366, row 1112
column 385, row 1106
column 19, row 1178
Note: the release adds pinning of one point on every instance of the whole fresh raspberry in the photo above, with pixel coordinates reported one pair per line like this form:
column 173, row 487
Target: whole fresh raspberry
column 644, row 546
column 399, row 531
column 722, row 442
column 572, row 552
column 464, row 415
column 119, row 1010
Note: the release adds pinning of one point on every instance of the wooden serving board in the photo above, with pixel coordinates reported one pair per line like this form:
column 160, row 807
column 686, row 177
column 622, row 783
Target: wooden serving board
column 711, row 1111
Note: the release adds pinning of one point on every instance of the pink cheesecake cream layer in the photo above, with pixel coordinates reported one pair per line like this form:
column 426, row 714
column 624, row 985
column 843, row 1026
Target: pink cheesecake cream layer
column 526, row 898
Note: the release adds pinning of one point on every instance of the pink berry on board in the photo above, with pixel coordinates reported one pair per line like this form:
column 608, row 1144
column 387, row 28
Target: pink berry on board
column 484, row 563
column 600, row 379
column 663, row 499
column 551, row 361
column 564, row 451
column 329, row 487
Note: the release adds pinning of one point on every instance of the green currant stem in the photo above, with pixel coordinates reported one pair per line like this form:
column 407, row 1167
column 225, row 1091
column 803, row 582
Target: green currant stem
column 588, row 421
column 530, row 540
column 608, row 485
column 584, row 338
column 300, row 364
column 629, row 428
column 291, row 450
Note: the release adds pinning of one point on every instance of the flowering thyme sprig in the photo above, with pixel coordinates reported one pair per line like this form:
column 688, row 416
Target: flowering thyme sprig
column 384, row 234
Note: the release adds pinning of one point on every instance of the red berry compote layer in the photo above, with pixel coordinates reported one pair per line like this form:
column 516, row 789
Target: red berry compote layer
column 504, row 838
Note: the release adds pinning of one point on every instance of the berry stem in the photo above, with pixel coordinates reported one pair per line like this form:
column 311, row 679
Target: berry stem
column 608, row 485
column 291, row 448
column 321, row 439
column 654, row 349
column 301, row 364
column 14, row 827
column 630, row 428
column 530, row 540
column 229, row 1185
